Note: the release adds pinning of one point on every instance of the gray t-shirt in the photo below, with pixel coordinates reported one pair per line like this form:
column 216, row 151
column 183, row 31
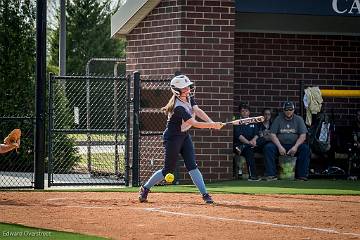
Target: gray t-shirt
column 288, row 131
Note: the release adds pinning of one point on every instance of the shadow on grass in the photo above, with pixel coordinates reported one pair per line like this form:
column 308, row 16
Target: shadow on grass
column 312, row 187
column 311, row 184
column 288, row 186
column 17, row 231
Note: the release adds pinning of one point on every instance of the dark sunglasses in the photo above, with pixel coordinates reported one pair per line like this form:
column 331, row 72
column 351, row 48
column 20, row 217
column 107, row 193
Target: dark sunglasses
column 288, row 109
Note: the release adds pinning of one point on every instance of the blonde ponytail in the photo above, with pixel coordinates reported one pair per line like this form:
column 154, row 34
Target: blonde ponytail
column 169, row 108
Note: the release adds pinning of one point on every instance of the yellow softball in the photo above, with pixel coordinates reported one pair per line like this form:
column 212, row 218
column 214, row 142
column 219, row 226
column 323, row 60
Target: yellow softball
column 169, row 177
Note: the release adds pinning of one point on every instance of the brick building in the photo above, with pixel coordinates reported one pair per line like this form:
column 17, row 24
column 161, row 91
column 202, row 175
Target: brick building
column 244, row 51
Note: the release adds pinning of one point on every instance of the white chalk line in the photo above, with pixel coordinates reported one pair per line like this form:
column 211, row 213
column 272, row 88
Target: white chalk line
column 89, row 207
column 327, row 230
column 57, row 199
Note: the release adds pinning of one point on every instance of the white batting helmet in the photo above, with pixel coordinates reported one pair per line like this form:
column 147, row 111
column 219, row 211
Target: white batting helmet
column 178, row 83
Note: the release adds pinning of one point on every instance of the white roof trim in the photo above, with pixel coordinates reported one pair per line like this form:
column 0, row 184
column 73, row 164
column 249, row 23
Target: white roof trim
column 130, row 15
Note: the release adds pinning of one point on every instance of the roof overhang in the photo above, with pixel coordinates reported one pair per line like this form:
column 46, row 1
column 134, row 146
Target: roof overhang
column 130, row 15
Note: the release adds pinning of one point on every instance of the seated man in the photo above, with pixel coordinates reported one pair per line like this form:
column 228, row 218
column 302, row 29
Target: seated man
column 288, row 134
column 245, row 141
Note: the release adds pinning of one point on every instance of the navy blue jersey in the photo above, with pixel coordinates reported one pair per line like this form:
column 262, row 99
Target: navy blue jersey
column 183, row 111
column 248, row 131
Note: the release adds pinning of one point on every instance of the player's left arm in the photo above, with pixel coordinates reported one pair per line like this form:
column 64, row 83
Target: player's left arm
column 201, row 114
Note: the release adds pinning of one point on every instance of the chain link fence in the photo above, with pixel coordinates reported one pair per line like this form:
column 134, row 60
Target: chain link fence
column 88, row 133
column 17, row 166
column 88, row 130
column 154, row 94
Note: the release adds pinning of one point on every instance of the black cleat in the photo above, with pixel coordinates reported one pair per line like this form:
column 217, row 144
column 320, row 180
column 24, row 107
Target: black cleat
column 207, row 198
column 143, row 193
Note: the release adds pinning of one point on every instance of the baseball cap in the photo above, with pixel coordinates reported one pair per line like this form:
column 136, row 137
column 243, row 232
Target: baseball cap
column 288, row 105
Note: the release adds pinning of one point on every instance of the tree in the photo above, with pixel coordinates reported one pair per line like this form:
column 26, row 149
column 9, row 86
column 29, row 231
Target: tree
column 17, row 78
column 17, row 61
column 88, row 36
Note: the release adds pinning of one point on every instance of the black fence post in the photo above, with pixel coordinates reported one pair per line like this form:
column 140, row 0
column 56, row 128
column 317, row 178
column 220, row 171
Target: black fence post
column 40, row 93
column 127, row 130
column 136, row 132
column 50, row 127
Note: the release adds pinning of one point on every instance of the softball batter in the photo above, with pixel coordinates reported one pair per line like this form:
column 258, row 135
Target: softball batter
column 181, row 110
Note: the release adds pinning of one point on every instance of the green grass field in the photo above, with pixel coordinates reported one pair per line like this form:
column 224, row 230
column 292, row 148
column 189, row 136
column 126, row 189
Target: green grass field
column 15, row 231
column 313, row 186
column 97, row 137
column 103, row 162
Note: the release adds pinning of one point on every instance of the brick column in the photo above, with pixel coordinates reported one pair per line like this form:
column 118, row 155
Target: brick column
column 196, row 38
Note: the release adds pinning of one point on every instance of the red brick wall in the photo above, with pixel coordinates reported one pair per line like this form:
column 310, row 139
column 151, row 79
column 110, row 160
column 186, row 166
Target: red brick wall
column 196, row 38
column 208, row 57
column 154, row 45
column 269, row 67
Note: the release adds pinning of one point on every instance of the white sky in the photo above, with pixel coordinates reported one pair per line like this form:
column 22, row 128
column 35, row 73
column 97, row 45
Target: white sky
column 52, row 5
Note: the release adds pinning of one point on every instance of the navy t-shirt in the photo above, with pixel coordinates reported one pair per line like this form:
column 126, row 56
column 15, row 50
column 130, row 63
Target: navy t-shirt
column 248, row 131
column 183, row 111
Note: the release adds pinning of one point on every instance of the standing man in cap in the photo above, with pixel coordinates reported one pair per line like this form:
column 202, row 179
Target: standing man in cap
column 288, row 134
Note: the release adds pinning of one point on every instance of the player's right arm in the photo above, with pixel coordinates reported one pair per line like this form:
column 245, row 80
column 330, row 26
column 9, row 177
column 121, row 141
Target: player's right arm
column 201, row 114
column 189, row 120
column 194, row 123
